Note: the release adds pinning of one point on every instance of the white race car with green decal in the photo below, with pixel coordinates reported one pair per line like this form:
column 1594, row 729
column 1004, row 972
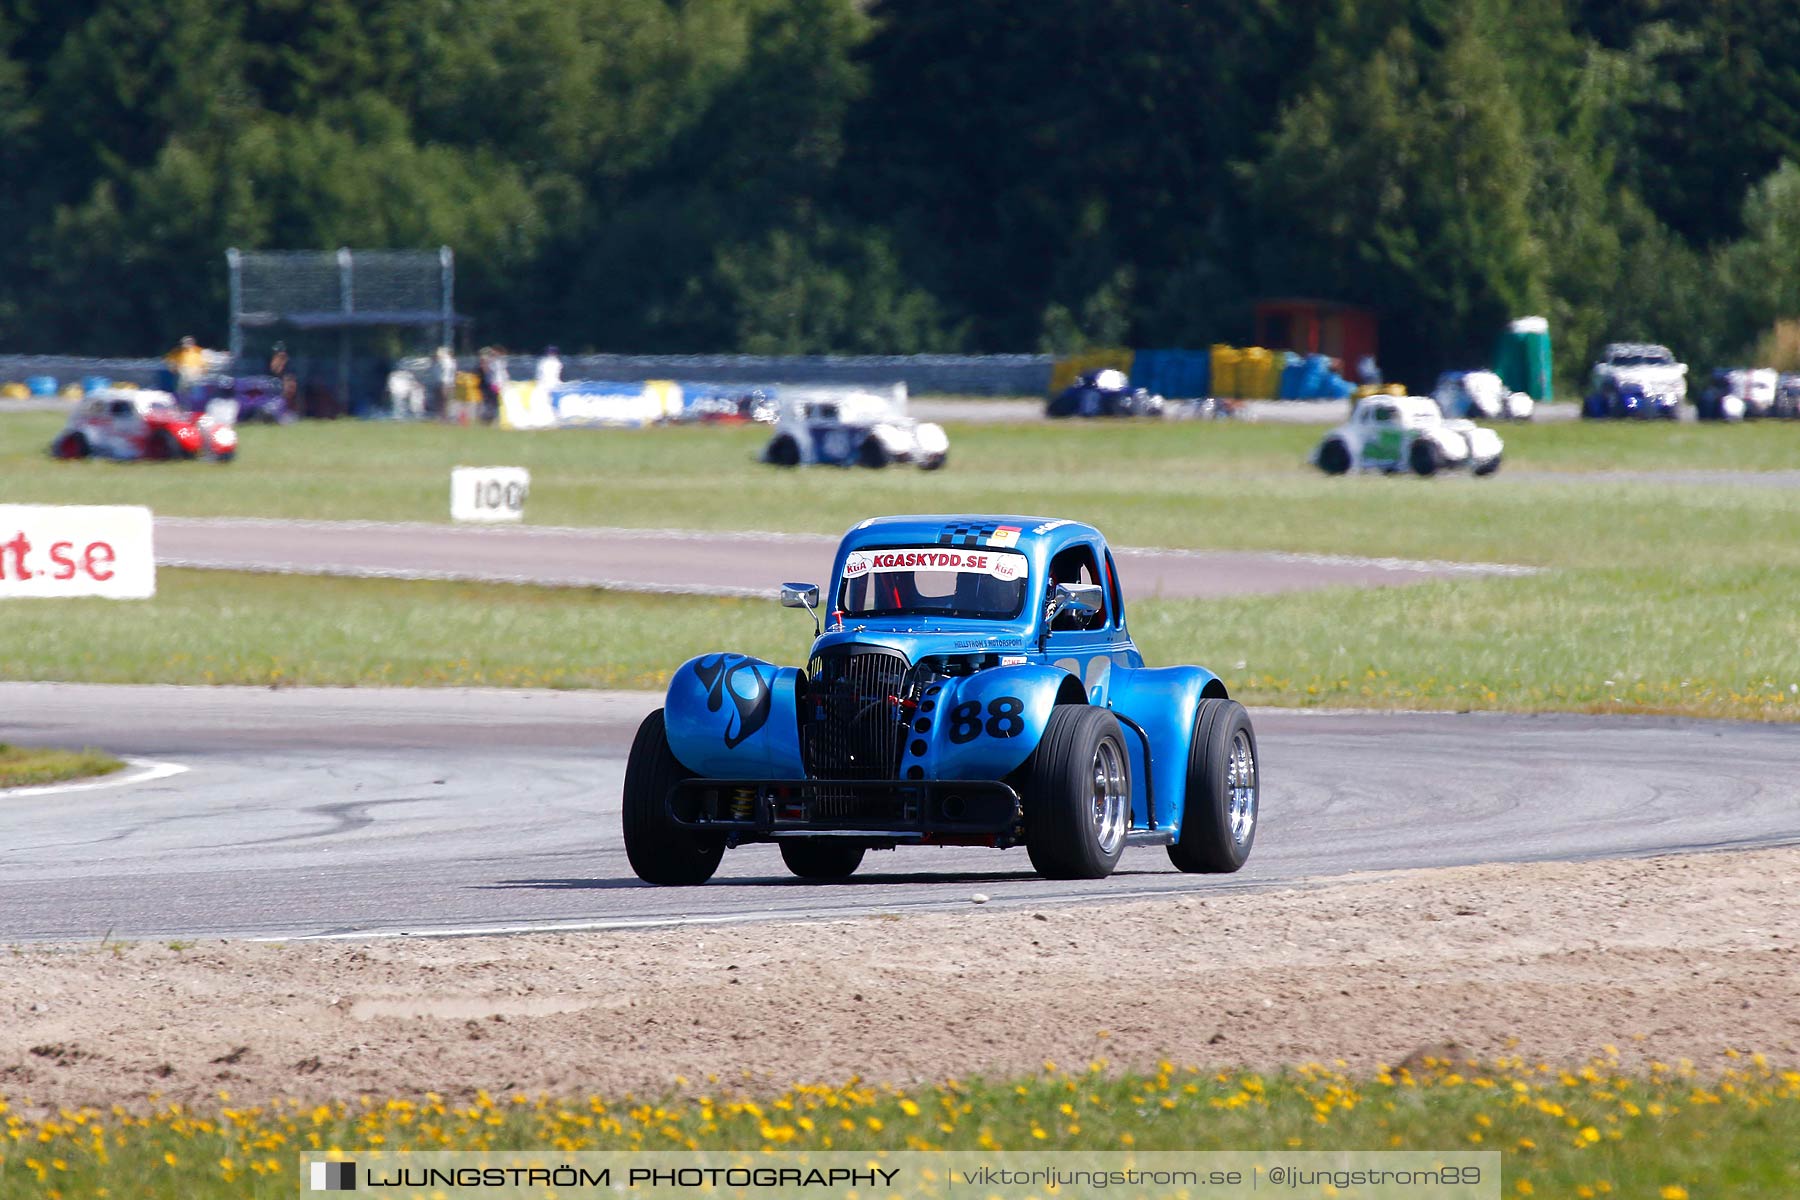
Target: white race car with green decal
column 1406, row 433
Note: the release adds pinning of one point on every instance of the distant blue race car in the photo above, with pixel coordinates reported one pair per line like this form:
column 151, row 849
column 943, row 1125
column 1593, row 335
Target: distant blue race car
column 974, row 685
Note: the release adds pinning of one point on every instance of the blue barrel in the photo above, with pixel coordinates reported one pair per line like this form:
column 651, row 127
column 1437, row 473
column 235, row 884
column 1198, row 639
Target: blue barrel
column 1177, row 374
column 41, row 385
column 93, row 383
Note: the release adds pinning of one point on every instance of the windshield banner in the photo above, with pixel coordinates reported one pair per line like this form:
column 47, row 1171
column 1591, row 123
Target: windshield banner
column 978, row 562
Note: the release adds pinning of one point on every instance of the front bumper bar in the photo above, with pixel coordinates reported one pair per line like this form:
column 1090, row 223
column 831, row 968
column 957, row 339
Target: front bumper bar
column 880, row 809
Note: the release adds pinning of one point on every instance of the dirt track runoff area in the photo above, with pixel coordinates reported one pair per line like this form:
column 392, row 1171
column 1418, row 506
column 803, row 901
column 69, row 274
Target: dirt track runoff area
column 1664, row 958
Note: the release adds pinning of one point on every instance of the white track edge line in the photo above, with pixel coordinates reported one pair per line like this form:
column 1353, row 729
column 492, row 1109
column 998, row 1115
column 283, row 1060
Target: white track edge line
column 149, row 770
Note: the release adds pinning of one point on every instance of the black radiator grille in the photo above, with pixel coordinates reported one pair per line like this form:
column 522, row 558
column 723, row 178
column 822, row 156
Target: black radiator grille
column 854, row 728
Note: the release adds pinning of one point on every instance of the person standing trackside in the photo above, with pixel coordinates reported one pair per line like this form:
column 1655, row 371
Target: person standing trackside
column 493, row 381
column 549, row 370
column 185, row 362
column 443, row 384
column 281, row 369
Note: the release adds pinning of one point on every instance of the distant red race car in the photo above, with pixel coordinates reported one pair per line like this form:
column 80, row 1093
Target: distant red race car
column 125, row 424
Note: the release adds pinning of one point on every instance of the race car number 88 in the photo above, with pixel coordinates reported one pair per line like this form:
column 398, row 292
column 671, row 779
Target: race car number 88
column 1005, row 719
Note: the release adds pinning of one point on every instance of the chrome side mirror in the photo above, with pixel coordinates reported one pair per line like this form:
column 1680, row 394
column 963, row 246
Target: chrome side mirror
column 1080, row 599
column 802, row 595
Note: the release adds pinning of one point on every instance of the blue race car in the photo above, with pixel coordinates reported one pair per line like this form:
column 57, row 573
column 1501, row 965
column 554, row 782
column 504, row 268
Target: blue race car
column 974, row 685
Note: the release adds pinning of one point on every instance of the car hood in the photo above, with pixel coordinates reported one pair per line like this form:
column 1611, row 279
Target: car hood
column 917, row 637
column 1652, row 378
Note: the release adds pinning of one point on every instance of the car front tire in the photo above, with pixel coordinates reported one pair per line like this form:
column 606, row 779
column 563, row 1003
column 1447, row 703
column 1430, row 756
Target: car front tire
column 660, row 851
column 872, row 453
column 1224, row 789
column 162, row 446
column 71, row 445
column 1077, row 787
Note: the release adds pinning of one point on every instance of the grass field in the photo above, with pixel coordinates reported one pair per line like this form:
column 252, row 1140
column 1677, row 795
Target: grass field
column 1598, row 1131
column 1703, row 643
column 1662, row 597
column 28, row 766
column 1201, row 484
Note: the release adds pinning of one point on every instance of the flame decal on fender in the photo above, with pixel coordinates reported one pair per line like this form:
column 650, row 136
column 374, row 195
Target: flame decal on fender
column 721, row 676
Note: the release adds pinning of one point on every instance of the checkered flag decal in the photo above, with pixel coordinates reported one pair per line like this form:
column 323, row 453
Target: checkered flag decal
column 967, row 533
column 333, row 1177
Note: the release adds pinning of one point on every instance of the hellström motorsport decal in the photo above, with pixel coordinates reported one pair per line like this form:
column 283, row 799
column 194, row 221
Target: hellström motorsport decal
column 722, row 677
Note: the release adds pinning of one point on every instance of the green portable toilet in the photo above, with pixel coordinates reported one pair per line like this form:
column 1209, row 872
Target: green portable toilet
column 1522, row 357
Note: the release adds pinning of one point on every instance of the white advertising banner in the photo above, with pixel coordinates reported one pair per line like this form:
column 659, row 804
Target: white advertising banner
column 489, row 493
column 76, row 550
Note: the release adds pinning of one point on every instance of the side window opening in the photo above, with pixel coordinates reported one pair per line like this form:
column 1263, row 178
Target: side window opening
column 1076, row 565
column 1113, row 595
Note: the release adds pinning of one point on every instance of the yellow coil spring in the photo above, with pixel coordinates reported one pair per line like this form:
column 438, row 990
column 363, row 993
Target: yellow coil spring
column 743, row 803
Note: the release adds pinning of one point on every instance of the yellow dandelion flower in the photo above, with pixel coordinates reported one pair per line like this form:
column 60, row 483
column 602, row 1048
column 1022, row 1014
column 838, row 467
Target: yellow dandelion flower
column 1674, row 1192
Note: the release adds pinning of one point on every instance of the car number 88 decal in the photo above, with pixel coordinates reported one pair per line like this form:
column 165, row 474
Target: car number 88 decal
column 1005, row 718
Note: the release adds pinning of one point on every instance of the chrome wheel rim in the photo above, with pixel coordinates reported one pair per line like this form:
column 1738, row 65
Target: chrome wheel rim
column 1110, row 809
column 1240, row 787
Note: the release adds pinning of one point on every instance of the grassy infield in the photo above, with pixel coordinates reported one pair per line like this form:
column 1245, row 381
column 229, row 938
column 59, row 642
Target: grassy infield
column 1658, row 597
column 1665, row 598
column 30, row 766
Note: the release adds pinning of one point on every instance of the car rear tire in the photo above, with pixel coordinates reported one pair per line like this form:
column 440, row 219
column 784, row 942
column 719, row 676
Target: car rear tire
column 821, row 858
column 1334, row 457
column 1424, row 458
column 660, row 851
column 872, row 453
column 71, row 445
column 1218, row 825
column 784, row 451
column 1077, row 787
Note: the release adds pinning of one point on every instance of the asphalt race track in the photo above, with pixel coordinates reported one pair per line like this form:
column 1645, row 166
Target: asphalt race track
column 364, row 812
column 686, row 561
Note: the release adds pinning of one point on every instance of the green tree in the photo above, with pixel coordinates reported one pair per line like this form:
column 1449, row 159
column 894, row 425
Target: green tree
column 1024, row 153
column 1406, row 187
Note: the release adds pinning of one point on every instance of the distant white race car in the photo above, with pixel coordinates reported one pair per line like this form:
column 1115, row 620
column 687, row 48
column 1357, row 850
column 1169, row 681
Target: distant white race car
column 1406, row 433
column 1480, row 395
column 848, row 428
column 1637, row 379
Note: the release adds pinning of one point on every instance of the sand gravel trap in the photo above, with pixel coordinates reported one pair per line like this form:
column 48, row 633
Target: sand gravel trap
column 1665, row 958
